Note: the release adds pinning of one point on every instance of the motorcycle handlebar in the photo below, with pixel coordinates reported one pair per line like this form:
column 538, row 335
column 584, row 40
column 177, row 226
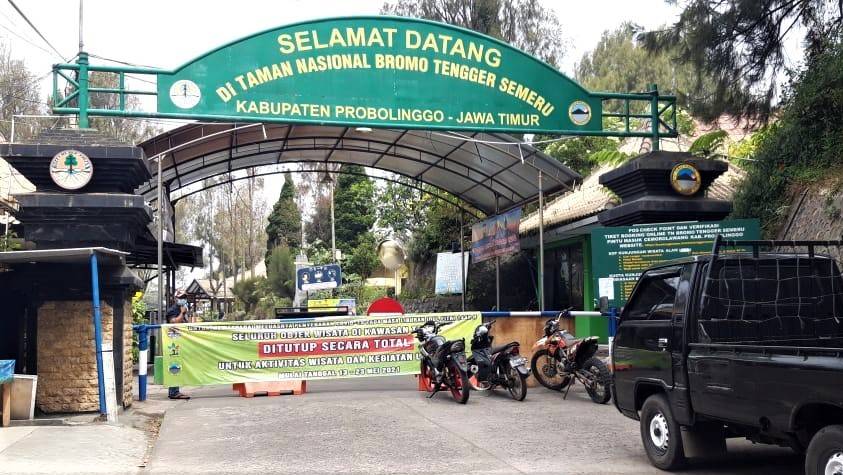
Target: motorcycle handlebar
column 436, row 326
column 564, row 313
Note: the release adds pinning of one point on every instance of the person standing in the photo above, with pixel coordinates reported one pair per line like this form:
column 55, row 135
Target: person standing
column 177, row 313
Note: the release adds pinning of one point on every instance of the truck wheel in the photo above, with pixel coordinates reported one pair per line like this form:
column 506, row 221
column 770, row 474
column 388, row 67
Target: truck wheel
column 660, row 434
column 825, row 452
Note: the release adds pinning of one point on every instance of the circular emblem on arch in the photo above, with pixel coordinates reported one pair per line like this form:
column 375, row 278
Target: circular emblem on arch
column 71, row 169
column 579, row 112
column 685, row 179
column 185, row 94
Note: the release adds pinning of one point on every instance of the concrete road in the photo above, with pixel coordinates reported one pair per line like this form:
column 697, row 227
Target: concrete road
column 385, row 426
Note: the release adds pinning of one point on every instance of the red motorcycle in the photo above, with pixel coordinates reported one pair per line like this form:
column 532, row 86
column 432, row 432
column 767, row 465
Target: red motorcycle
column 564, row 359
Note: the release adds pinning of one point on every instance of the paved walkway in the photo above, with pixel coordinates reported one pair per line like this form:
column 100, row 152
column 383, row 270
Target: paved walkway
column 83, row 443
column 363, row 426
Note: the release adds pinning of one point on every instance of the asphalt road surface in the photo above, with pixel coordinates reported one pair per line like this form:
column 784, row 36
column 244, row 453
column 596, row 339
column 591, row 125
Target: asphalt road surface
column 385, row 425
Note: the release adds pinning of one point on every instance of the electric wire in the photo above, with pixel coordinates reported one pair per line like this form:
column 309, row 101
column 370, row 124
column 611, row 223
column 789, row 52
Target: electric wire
column 25, row 40
column 36, row 29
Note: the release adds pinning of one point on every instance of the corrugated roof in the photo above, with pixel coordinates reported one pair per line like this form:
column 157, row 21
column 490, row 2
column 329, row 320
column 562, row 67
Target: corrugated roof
column 11, row 182
column 78, row 255
column 492, row 172
column 591, row 198
column 587, row 199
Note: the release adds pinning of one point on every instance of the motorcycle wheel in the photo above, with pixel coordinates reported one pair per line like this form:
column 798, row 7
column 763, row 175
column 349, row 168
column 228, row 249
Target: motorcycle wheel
column 473, row 381
column 458, row 382
column 545, row 371
column 597, row 380
column 516, row 383
column 426, row 377
column 479, row 385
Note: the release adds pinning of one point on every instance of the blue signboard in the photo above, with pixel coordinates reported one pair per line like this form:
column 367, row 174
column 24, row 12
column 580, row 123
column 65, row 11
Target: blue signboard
column 318, row 277
column 449, row 276
column 7, row 371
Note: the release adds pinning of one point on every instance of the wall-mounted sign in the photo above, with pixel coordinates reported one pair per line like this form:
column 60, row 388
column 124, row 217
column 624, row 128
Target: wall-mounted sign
column 620, row 254
column 449, row 275
column 318, row 277
column 496, row 236
column 379, row 71
column 71, row 169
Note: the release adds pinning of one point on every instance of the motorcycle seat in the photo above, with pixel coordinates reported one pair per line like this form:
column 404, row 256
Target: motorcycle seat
column 498, row 349
column 569, row 340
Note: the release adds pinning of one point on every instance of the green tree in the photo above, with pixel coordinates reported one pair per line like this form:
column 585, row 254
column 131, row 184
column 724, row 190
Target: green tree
column 525, row 24
column 249, row 292
column 577, row 153
column 802, row 146
column 709, row 145
column 281, row 272
column 620, row 64
column 442, row 228
column 138, row 318
column 284, row 227
column 364, row 258
column 401, row 207
column 741, row 46
column 354, row 206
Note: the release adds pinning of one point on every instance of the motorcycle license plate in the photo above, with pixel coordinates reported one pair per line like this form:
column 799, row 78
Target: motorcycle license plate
column 517, row 361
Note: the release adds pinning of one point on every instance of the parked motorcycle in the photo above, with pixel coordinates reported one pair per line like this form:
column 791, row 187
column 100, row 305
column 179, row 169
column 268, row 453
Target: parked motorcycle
column 564, row 359
column 443, row 362
column 501, row 366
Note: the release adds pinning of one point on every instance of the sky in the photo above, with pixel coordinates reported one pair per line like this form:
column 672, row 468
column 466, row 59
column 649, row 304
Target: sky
column 167, row 34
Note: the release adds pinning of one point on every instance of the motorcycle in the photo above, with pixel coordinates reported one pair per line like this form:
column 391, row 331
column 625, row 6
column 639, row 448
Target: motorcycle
column 564, row 359
column 501, row 366
column 443, row 362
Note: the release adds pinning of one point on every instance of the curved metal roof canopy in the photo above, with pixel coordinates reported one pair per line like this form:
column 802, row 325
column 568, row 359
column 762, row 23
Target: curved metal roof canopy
column 490, row 171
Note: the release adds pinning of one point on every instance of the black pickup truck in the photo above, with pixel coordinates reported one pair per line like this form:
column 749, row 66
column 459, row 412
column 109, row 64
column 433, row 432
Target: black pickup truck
column 746, row 341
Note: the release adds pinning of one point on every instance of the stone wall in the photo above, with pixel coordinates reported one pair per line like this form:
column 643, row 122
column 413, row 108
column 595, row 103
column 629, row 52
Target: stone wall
column 432, row 304
column 815, row 214
column 67, row 365
column 128, row 365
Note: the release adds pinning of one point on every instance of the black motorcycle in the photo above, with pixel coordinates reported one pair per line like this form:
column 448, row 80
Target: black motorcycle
column 443, row 362
column 500, row 366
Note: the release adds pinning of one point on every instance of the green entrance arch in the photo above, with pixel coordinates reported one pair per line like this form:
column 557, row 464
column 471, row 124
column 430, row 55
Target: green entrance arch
column 390, row 76
column 380, row 71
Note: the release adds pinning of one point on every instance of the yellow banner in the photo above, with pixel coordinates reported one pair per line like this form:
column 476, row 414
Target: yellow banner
column 197, row 354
